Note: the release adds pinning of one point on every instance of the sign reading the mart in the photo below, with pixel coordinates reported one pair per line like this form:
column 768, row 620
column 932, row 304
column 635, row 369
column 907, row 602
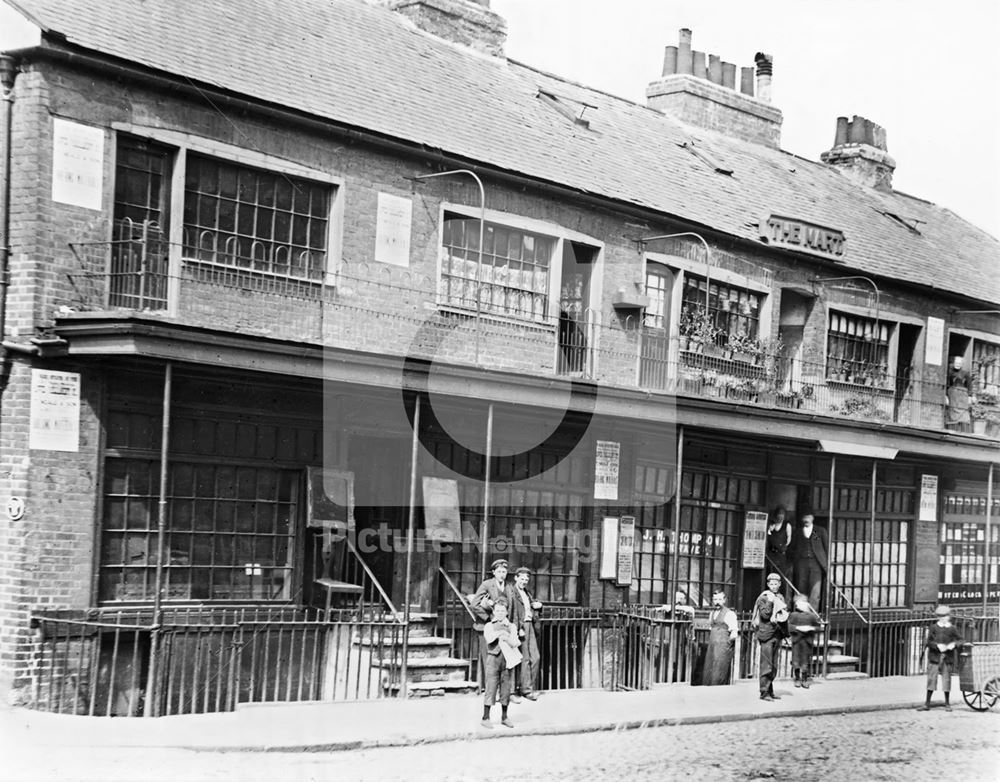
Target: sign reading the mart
column 799, row 235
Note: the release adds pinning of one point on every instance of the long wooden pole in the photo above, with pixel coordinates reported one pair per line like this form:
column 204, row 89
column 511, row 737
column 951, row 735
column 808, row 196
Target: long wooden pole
column 676, row 535
column 152, row 699
column 829, row 561
column 485, row 532
column 871, row 570
column 986, row 548
column 410, row 533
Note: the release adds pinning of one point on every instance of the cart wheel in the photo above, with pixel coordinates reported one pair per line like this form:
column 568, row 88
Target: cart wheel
column 991, row 692
column 977, row 700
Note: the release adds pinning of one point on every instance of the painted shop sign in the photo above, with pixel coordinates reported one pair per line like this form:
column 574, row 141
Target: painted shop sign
column 799, row 235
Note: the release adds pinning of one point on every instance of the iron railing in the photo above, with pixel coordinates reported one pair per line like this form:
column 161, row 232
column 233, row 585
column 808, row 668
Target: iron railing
column 97, row 663
column 338, row 310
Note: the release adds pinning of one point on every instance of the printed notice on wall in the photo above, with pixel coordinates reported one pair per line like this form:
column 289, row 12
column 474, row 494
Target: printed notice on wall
column 392, row 230
column 442, row 519
column 754, row 539
column 609, row 547
column 626, row 548
column 55, row 411
column 77, row 164
column 606, row 470
column 935, row 342
column 928, row 498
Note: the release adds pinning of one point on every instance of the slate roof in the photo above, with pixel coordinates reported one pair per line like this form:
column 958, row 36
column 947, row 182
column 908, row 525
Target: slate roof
column 364, row 66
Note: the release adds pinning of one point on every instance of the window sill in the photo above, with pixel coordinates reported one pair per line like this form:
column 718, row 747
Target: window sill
column 257, row 277
column 547, row 325
column 858, row 387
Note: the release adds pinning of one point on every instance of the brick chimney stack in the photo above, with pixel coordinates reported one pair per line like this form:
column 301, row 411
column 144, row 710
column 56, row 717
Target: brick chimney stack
column 467, row 22
column 707, row 96
column 859, row 152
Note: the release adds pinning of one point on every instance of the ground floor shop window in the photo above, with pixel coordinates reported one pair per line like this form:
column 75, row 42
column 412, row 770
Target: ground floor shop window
column 654, row 484
column 868, row 559
column 712, row 511
column 230, row 531
column 962, row 559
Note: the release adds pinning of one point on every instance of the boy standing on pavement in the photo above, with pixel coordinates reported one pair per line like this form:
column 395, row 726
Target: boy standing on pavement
column 769, row 613
column 502, row 657
column 523, row 613
column 942, row 642
column 803, row 623
column 492, row 591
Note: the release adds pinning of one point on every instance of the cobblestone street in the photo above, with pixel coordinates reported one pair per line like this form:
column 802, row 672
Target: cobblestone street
column 892, row 745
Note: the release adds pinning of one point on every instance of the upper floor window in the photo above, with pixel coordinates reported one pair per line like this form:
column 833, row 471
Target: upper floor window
column 509, row 275
column 986, row 366
column 857, row 350
column 732, row 314
column 251, row 219
column 234, row 215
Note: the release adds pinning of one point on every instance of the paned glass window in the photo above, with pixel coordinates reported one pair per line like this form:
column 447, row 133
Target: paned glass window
column 857, row 350
column 249, row 219
column 962, row 559
column 856, row 556
column 986, row 364
column 509, row 277
column 733, row 315
column 229, row 532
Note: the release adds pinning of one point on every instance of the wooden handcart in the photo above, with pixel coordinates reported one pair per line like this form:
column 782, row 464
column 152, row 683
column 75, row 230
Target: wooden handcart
column 979, row 674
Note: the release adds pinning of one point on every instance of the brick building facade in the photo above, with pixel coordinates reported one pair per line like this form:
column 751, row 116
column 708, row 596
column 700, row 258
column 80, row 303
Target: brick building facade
column 285, row 259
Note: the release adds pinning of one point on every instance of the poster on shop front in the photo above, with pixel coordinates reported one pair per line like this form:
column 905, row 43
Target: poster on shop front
column 606, row 470
column 626, row 549
column 754, row 539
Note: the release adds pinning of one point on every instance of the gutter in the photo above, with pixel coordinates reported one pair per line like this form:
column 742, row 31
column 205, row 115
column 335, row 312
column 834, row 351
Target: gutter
column 8, row 74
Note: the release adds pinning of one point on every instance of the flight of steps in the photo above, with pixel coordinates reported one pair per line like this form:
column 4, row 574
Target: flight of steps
column 838, row 664
column 430, row 668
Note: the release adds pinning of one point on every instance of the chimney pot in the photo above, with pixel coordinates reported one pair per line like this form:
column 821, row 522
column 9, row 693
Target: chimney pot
column 841, row 136
column 765, row 68
column 714, row 69
column 670, row 61
column 698, row 64
column 856, row 130
column 729, row 75
column 746, row 80
column 684, row 52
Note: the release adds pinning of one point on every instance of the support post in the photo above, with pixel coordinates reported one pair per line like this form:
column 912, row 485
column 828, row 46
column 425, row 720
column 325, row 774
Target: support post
column 676, row 534
column 828, row 596
column 410, row 531
column 485, row 532
column 986, row 549
column 152, row 696
column 871, row 568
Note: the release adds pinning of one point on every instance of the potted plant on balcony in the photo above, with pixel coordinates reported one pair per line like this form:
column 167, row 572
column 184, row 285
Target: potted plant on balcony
column 981, row 417
column 744, row 347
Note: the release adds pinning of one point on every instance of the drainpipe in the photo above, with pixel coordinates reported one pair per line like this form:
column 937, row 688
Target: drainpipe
column 8, row 73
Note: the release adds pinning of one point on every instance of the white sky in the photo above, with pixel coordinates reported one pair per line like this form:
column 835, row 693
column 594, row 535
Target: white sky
column 925, row 70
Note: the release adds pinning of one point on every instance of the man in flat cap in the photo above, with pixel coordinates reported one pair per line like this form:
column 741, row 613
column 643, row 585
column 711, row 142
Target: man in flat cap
column 942, row 642
column 524, row 613
column 492, row 591
column 770, row 615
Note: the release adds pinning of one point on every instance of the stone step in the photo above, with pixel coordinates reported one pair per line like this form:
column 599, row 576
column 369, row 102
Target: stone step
column 425, row 689
column 415, row 642
column 846, row 675
column 429, row 669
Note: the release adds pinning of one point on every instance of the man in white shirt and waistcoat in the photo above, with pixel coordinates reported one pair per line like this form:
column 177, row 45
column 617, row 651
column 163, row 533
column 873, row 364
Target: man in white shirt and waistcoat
column 524, row 615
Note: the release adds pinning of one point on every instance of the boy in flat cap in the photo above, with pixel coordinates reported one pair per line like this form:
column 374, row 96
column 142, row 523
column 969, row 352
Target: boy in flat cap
column 770, row 613
column 492, row 591
column 502, row 657
column 942, row 642
column 524, row 613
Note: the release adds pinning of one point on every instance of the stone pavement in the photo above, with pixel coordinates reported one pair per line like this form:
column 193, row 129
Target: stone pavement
column 365, row 724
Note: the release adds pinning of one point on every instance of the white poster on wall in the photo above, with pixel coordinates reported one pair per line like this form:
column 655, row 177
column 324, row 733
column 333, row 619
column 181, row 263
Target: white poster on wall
column 935, row 342
column 609, row 547
column 77, row 164
column 55, row 411
column 392, row 230
column 626, row 549
column 928, row 498
column 606, row 470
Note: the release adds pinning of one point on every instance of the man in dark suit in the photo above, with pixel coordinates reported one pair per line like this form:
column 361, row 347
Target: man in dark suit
column 809, row 553
column 524, row 614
